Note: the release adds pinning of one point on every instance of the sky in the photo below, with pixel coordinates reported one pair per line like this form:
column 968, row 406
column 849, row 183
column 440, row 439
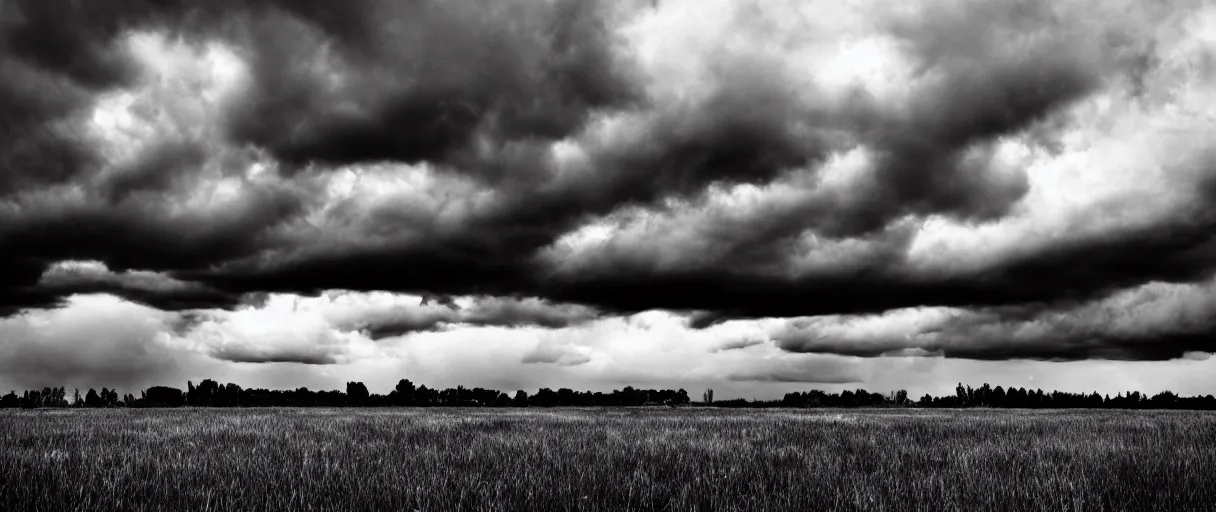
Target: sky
column 752, row 196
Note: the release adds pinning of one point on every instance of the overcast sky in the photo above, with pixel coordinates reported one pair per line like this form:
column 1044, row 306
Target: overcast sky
column 754, row 196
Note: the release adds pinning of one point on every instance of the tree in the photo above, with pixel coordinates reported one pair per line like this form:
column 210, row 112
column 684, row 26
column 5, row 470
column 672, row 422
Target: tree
column 356, row 393
column 205, row 394
column 91, row 399
column 565, row 396
column 998, row 397
column 521, row 399
column 708, row 396
column 403, row 394
column 984, row 395
column 681, row 397
column 901, row 397
column 109, row 398
column 163, row 396
column 544, row 397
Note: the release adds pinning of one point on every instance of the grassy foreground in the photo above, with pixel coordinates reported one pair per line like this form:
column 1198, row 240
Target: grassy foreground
column 606, row 459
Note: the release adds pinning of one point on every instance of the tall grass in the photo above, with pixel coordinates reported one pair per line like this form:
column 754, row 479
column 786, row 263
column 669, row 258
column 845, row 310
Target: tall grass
column 606, row 459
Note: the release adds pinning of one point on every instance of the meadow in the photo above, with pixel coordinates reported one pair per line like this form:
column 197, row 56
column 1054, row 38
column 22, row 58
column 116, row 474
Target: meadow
column 606, row 459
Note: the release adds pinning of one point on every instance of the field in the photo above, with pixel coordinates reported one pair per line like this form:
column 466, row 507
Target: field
column 606, row 459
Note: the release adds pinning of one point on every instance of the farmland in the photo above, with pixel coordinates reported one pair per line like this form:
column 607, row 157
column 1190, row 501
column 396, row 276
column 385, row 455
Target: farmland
column 606, row 459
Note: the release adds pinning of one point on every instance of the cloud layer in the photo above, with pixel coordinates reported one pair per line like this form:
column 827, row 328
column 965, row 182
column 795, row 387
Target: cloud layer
column 985, row 180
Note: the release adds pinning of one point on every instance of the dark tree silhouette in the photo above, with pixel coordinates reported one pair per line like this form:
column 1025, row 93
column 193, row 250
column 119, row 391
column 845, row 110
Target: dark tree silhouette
column 163, row 396
column 403, row 394
column 356, row 394
column 92, row 399
column 545, row 397
column 109, row 398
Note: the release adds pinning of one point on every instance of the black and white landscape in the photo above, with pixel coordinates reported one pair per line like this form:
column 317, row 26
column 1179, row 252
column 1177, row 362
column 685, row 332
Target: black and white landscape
column 782, row 201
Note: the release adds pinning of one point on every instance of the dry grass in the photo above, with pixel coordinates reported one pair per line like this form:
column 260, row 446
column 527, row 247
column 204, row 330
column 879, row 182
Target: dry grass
column 606, row 459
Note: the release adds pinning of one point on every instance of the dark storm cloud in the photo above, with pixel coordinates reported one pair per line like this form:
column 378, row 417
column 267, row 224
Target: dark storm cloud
column 15, row 301
column 1006, row 345
column 935, row 157
column 36, row 147
column 932, row 159
column 442, row 300
column 750, row 130
column 435, row 314
column 481, row 91
column 744, row 133
column 421, row 79
column 1154, row 322
column 246, row 354
column 147, row 288
column 131, row 237
column 1173, row 249
column 154, row 172
column 72, row 38
column 424, row 78
column 137, row 235
column 55, row 57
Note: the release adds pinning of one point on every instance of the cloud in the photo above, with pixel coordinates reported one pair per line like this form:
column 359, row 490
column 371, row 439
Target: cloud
column 424, row 81
column 738, row 344
column 431, row 315
column 1152, row 322
column 94, row 341
column 971, row 179
column 246, row 354
column 748, row 125
column 1197, row 356
column 801, row 369
column 381, row 315
column 559, row 354
column 279, row 329
column 152, row 289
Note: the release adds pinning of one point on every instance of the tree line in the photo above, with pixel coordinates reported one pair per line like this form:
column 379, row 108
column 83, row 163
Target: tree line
column 999, row 397
column 210, row 393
